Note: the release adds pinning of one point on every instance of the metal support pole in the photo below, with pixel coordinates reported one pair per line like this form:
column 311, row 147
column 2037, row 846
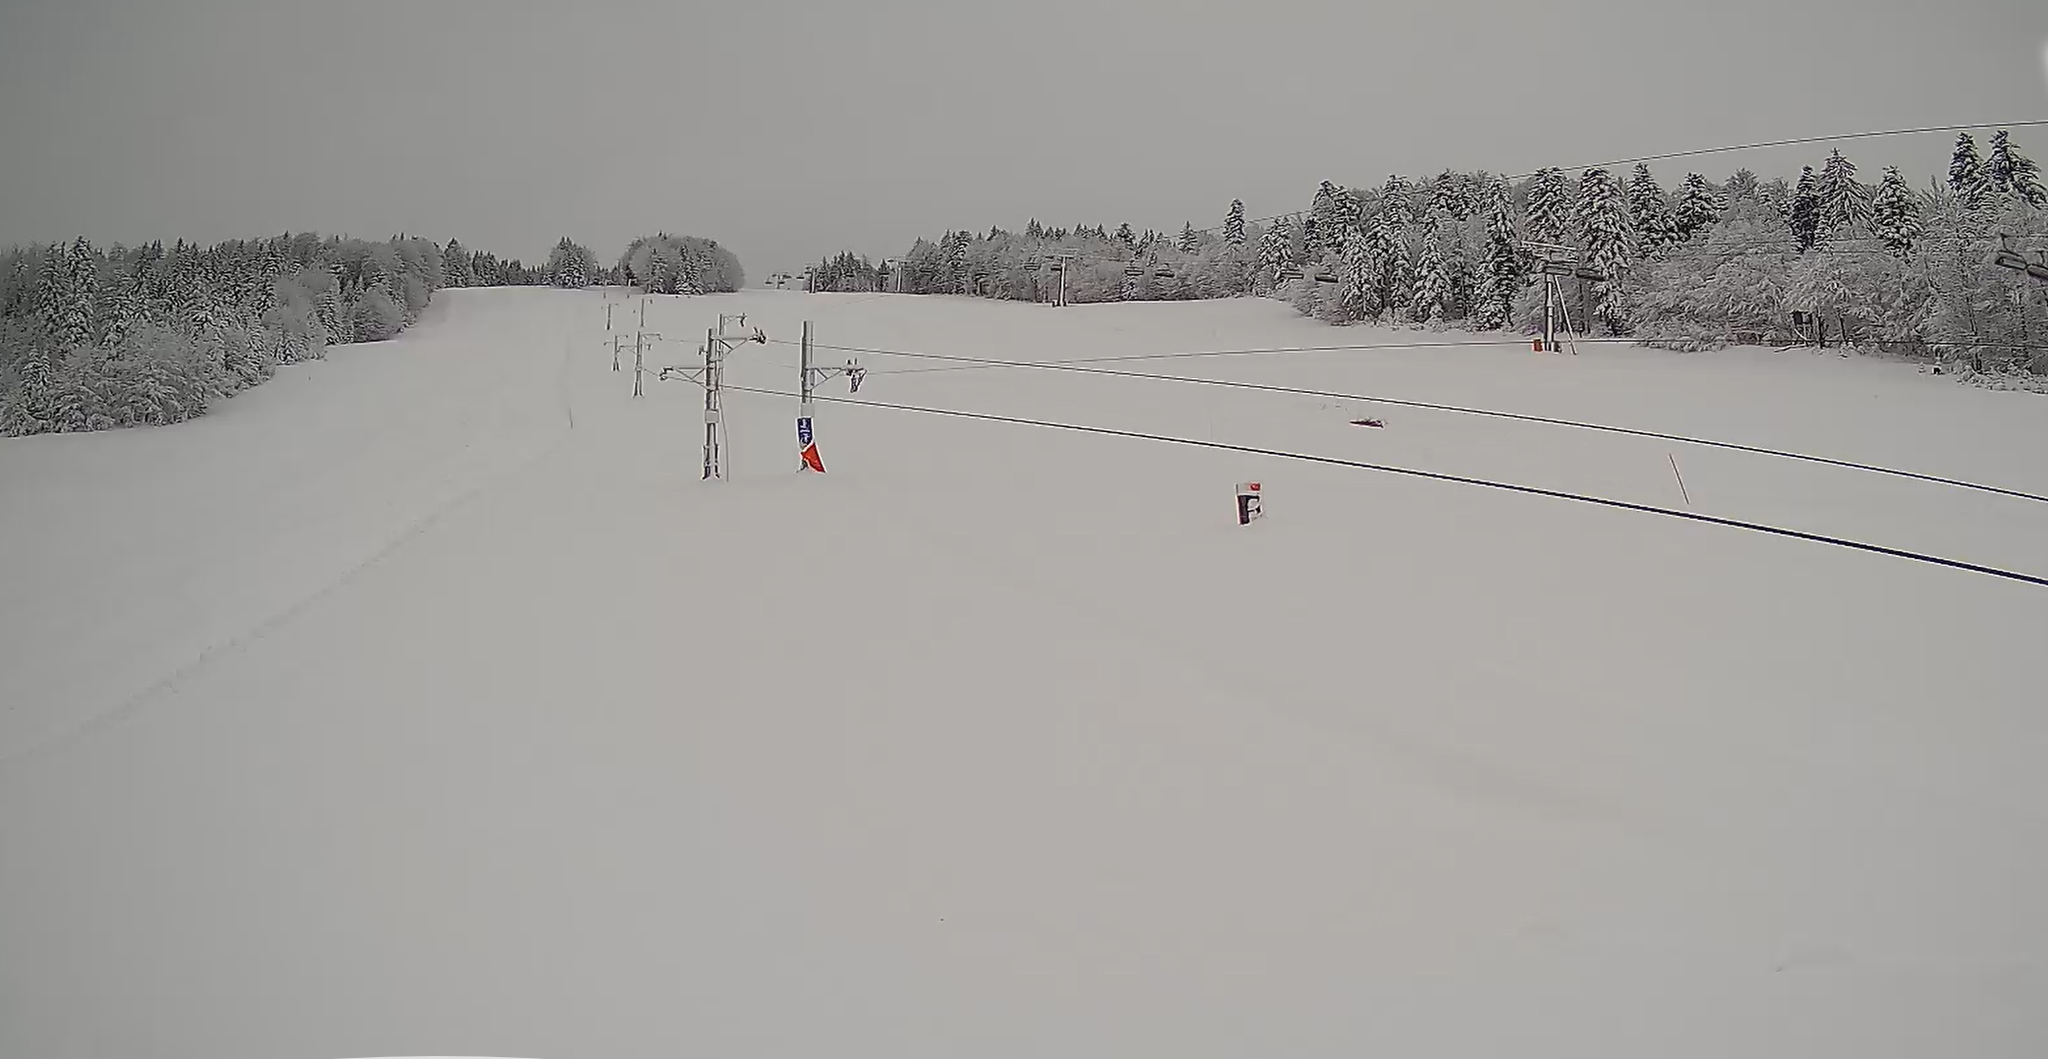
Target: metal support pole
column 711, row 468
column 615, row 351
column 804, row 359
column 1549, row 326
column 638, row 365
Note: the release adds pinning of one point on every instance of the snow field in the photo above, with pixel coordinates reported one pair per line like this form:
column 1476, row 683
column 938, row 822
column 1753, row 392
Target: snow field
column 383, row 711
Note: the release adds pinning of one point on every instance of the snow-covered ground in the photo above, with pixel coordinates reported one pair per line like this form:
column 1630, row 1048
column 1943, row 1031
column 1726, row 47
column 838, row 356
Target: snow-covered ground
column 425, row 701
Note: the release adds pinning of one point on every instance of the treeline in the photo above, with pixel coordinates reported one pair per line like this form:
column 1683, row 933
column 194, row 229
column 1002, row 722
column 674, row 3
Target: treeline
column 1829, row 259
column 679, row 264
column 93, row 338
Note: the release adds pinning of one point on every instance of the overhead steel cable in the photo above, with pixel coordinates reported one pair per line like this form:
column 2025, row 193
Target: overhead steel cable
column 1513, row 487
column 1087, row 369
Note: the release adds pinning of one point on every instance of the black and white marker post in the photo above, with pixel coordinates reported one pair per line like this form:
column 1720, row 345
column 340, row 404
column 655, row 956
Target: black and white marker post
column 1248, row 508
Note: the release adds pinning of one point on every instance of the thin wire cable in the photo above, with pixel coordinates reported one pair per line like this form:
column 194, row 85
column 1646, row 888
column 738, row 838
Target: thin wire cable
column 1797, row 140
column 1530, row 490
column 1434, row 406
column 1345, row 347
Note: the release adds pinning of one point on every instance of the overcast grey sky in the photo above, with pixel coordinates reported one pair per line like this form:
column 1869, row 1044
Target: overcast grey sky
column 787, row 130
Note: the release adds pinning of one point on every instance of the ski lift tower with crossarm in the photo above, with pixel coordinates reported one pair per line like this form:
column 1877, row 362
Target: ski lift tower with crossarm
column 719, row 342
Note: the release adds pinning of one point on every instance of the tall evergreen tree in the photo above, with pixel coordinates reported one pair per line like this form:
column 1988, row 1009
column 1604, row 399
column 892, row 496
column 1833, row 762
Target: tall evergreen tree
column 1500, row 276
column 1388, row 267
column 1124, row 234
column 1356, row 290
column 1397, row 202
column 1895, row 213
column 569, row 265
column 1649, row 211
column 1322, row 221
column 1607, row 239
column 1188, row 240
column 1698, row 207
column 1275, row 251
column 1742, row 186
column 1843, row 201
column 1966, row 171
column 65, row 294
column 1432, row 287
column 1803, row 213
column 2013, row 173
column 1347, row 213
column 1233, row 223
column 1549, row 206
column 455, row 265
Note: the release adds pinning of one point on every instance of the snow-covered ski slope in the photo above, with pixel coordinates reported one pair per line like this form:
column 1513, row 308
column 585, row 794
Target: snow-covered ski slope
column 424, row 701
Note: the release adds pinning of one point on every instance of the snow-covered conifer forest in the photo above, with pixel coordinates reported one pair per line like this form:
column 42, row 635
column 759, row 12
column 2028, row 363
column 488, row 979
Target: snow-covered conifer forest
column 99, row 337
column 1871, row 265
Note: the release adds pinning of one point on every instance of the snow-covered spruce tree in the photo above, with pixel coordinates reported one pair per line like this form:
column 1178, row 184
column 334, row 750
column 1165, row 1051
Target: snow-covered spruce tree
column 1388, row 267
column 1357, row 290
column 1741, row 185
column 31, row 408
column 1803, row 213
column 1432, row 288
column 1895, row 213
column 1843, row 201
column 1500, row 271
column 1397, row 202
column 1966, row 172
column 1461, row 271
column 1189, row 242
column 63, row 298
column 2013, row 173
column 455, row 265
column 1233, row 223
column 1649, row 212
column 570, row 264
column 665, row 269
column 1698, row 207
column 1348, row 214
column 956, row 261
column 1550, row 206
column 1608, row 242
column 1275, row 251
column 1124, row 234
column 1323, row 217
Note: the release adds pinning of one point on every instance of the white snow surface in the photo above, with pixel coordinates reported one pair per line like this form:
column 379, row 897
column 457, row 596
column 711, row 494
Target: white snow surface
column 425, row 701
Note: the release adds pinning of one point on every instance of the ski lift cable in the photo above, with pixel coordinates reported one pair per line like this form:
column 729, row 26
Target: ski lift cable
column 1088, row 369
column 1530, row 490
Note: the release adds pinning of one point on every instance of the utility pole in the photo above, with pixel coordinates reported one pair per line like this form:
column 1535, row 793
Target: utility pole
column 639, row 358
column 807, row 441
column 1061, row 259
column 717, row 346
